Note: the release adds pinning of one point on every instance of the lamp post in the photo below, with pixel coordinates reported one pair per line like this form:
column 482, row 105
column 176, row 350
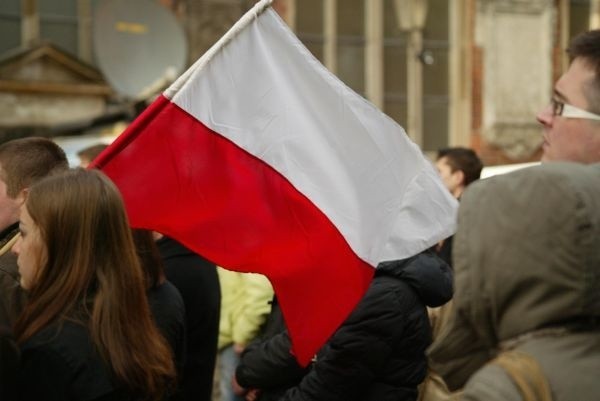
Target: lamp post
column 411, row 16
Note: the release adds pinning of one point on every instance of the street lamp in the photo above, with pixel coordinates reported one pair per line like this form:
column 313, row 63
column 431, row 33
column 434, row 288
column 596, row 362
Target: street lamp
column 411, row 16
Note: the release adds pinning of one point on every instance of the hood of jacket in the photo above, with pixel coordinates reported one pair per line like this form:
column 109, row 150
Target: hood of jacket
column 429, row 275
column 526, row 257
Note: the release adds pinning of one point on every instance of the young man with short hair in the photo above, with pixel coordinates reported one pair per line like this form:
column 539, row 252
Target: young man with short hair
column 22, row 162
column 458, row 167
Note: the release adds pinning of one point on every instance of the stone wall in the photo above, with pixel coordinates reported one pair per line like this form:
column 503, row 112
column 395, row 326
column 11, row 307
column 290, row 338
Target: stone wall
column 25, row 109
column 516, row 38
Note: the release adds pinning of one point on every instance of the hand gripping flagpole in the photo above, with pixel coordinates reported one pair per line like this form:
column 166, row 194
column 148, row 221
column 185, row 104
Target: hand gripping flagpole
column 242, row 23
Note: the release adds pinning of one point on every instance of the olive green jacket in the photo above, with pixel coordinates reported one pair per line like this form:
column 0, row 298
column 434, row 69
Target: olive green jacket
column 527, row 278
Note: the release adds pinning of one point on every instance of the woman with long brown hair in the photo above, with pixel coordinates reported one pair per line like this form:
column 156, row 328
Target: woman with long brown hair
column 86, row 332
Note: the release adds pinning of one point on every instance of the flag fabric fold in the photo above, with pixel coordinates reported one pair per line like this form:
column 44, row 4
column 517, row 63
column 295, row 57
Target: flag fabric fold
column 261, row 160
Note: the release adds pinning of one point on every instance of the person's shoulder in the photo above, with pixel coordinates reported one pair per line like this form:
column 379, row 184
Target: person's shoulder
column 68, row 339
column 57, row 351
column 165, row 292
column 46, row 337
column 166, row 302
column 380, row 302
column 426, row 273
column 12, row 296
column 8, row 267
column 64, row 357
column 490, row 383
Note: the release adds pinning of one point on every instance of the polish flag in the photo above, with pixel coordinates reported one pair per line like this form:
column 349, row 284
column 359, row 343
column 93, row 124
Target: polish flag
column 261, row 160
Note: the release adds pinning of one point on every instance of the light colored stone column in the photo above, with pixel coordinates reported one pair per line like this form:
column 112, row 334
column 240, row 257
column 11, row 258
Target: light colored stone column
column 374, row 52
column 330, row 35
column 564, row 15
column 516, row 36
column 291, row 14
column 460, row 73
column 594, row 14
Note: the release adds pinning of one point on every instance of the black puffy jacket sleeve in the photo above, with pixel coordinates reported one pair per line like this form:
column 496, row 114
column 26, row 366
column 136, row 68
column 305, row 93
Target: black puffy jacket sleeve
column 269, row 364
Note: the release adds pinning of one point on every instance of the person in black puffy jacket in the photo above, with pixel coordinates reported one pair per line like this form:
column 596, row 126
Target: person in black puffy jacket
column 378, row 354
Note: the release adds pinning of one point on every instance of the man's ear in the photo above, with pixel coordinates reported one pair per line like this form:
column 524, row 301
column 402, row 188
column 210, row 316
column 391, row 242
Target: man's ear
column 22, row 196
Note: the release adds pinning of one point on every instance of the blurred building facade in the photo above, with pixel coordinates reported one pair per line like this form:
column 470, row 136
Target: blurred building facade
column 452, row 72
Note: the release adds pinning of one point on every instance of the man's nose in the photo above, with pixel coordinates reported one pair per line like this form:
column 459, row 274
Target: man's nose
column 545, row 116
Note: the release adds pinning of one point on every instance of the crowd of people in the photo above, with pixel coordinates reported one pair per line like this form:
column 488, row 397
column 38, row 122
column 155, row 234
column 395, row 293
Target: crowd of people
column 508, row 309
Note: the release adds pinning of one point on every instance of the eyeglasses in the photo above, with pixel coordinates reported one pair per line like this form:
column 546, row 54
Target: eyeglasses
column 567, row 110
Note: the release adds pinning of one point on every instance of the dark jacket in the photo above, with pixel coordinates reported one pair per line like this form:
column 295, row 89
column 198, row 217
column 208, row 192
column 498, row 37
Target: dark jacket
column 12, row 296
column 169, row 314
column 197, row 281
column 379, row 351
column 9, row 365
column 61, row 363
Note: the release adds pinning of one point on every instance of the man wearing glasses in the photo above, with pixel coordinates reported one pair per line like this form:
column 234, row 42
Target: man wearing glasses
column 572, row 120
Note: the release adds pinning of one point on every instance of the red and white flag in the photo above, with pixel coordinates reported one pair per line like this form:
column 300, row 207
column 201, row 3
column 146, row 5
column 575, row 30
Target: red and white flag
column 261, row 160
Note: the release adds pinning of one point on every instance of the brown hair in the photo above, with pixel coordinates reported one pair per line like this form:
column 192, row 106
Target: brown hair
column 92, row 273
column 149, row 256
column 24, row 161
column 463, row 159
column 586, row 46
